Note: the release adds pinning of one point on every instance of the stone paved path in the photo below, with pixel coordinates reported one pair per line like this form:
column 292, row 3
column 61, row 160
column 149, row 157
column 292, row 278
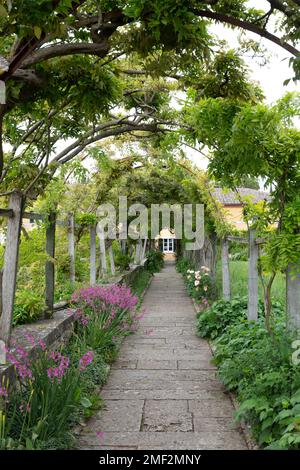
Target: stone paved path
column 163, row 392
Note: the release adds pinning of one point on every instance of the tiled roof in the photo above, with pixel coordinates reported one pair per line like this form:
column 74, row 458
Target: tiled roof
column 228, row 197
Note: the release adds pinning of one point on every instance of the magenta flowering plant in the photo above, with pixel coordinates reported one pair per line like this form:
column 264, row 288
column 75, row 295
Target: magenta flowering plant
column 86, row 360
column 104, row 315
column 101, row 299
column 49, row 392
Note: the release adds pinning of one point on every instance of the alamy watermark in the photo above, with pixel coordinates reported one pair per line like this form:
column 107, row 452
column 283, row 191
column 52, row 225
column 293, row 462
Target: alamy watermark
column 140, row 222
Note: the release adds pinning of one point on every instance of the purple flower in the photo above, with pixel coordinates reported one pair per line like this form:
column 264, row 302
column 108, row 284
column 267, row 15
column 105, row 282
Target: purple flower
column 59, row 370
column 102, row 298
column 3, row 392
column 85, row 360
column 42, row 345
column 30, row 338
column 24, row 371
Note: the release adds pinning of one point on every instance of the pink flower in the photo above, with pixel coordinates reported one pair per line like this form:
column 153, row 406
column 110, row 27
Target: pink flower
column 63, row 365
column 24, row 371
column 3, row 392
column 100, row 434
column 100, row 298
column 85, row 360
column 30, row 338
column 42, row 344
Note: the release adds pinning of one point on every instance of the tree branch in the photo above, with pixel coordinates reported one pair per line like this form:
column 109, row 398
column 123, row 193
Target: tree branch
column 59, row 50
column 223, row 18
column 103, row 135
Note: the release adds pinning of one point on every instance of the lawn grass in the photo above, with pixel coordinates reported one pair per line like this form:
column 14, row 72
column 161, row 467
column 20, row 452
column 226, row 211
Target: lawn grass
column 239, row 282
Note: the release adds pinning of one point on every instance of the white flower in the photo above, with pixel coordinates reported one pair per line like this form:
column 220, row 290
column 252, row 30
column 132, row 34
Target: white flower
column 197, row 283
column 205, row 268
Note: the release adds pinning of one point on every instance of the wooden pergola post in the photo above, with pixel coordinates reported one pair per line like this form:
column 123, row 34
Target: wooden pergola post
column 11, row 255
column 111, row 259
column 293, row 296
column 71, row 242
column 252, row 278
column 138, row 249
column 49, row 267
column 144, row 249
column 225, row 269
column 93, row 269
column 102, row 251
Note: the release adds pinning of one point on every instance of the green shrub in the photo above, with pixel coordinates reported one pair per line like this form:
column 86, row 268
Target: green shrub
column 199, row 284
column 267, row 385
column 155, row 261
column 29, row 306
column 183, row 264
column 122, row 260
column 258, row 367
column 238, row 251
column 212, row 322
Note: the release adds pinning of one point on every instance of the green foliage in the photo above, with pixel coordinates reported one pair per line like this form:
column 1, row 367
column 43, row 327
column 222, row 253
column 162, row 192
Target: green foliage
column 28, row 307
column 214, row 321
column 155, row 261
column 122, row 260
column 260, row 141
column 238, row 252
column 258, row 368
column 227, row 77
column 183, row 264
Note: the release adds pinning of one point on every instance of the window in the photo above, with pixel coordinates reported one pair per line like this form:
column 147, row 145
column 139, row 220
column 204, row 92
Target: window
column 168, row 245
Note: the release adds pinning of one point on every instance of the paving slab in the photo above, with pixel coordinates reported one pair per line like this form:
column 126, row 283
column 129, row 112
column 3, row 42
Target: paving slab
column 231, row 440
column 118, row 416
column 163, row 392
column 148, row 364
column 167, row 416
